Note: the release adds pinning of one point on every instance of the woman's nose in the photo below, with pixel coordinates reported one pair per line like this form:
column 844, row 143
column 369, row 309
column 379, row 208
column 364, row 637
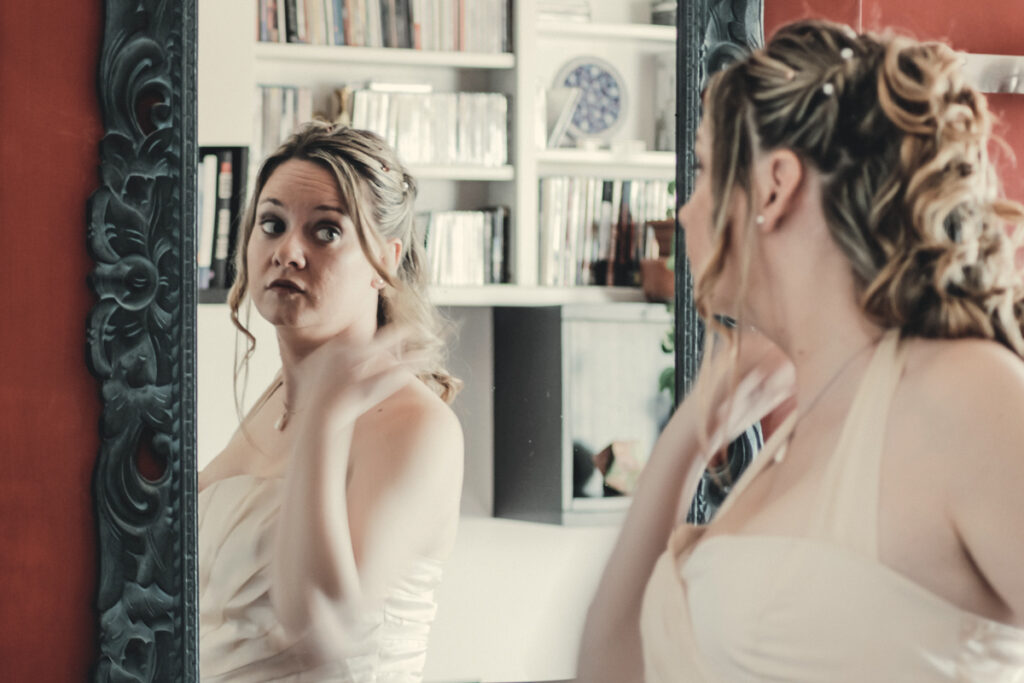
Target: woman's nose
column 289, row 251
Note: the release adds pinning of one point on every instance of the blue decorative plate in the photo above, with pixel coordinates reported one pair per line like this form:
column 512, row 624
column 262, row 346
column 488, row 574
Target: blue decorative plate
column 602, row 105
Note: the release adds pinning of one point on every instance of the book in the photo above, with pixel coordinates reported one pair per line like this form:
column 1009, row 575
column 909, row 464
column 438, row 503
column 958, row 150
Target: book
column 403, row 29
column 291, row 14
column 338, row 22
column 282, row 22
column 387, row 23
column 267, row 25
column 207, row 218
column 222, row 240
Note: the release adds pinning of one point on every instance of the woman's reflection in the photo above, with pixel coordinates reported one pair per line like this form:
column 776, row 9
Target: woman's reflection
column 324, row 523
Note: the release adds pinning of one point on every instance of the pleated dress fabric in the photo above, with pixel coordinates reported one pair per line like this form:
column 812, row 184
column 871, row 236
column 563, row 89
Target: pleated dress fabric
column 240, row 639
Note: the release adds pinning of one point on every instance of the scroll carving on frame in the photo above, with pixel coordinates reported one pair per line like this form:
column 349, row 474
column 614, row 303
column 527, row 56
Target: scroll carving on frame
column 141, row 341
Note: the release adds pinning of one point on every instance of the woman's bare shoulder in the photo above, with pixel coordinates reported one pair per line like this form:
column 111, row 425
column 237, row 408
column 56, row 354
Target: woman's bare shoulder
column 971, row 391
column 413, row 422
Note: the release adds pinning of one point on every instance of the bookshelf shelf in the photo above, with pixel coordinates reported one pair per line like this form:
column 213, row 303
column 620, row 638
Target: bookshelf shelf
column 514, row 295
column 274, row 53
column 607, row 31
column 498, row 295
column 606, row 164
column 482, row 173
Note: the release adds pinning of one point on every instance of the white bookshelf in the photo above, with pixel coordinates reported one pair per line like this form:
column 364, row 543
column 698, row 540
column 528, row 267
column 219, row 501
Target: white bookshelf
column 233, row 62
column 606, row 164
column 648, row 33
column 341, row 55
column 517, row 295
column 469, row 173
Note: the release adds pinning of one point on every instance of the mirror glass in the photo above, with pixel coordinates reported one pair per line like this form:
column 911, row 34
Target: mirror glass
column 544, row 162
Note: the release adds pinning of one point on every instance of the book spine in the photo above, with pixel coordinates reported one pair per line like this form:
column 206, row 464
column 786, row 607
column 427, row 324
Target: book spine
column 302, row 20
column 291, row 14
column 403, row 21
column 339, row 23
column 328, row 16
column 417, row 15
column 262, row 24
column 207, row 218
column 281, row 22
column 222, row 242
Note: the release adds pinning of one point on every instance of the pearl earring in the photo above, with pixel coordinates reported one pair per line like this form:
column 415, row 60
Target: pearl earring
column 377, row 282
column 759, row 220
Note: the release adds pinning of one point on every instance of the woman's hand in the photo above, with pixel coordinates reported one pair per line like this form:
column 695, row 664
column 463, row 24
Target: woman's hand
column 348, row 378
column 741, row 383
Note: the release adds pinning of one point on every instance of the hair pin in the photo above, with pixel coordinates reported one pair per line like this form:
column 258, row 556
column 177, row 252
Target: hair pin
column 790, row 74
column 828, row 89
column 846, row 53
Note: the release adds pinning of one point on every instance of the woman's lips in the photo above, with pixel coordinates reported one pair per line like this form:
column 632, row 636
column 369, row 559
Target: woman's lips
column 286, row 285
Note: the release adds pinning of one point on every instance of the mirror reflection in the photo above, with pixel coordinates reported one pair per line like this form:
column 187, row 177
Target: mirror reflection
column 522, row 185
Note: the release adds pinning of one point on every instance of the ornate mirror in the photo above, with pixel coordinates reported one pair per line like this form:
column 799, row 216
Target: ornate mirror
column 141, row 333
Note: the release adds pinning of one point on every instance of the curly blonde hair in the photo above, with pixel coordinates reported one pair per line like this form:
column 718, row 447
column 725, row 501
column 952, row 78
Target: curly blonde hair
column 909, row 193
column 364, row 166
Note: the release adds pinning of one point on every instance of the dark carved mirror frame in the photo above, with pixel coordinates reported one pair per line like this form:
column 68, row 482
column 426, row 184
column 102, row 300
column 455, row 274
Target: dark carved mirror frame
column 141, row 332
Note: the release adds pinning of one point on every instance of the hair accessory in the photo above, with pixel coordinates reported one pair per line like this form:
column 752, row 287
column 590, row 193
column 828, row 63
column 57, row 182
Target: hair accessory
column 384, row 167
column 846, row 53
column 828, row 89
column 790, row 74
column 405, row 185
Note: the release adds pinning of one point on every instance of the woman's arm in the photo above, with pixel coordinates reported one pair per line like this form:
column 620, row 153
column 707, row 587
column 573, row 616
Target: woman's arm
column 610, row 649
column 983, row 436
column 347, row 528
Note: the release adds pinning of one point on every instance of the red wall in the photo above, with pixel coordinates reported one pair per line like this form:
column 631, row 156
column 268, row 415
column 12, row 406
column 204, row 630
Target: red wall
column 49, row 407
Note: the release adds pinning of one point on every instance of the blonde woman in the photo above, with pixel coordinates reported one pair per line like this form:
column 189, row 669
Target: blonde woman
column 324, row 523
column 846, row 213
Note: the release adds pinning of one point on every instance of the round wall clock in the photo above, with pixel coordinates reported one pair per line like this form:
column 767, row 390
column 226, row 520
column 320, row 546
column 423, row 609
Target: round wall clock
column 602, row 104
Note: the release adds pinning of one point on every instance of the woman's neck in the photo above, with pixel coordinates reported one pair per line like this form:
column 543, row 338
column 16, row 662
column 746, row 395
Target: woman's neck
column 294, row 347
column 815, row 318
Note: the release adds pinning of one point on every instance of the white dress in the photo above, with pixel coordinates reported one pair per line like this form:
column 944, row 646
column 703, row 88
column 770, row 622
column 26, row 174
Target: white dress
column 821, row 607
column 239, row 637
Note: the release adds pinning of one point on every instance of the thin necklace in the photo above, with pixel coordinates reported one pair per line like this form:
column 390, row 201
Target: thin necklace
column 780, row 454
column 282, row 421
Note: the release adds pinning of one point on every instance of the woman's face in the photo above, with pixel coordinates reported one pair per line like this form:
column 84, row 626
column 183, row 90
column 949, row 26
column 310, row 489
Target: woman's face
column 696, row 219
column 695, row 214
column 307, row 273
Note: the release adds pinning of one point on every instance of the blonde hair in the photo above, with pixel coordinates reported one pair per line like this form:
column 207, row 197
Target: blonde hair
column 364, row 166
column 909, row 193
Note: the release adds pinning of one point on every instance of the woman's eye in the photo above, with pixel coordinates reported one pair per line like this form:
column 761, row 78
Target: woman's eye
column 328, row 233
column 271, row 226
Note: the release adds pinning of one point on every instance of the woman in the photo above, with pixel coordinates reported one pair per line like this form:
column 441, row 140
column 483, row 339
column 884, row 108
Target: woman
column 323, row 524
column 846, row 214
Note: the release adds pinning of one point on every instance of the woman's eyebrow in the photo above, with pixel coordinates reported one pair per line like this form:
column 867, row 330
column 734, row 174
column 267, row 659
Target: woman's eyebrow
column 330, row 207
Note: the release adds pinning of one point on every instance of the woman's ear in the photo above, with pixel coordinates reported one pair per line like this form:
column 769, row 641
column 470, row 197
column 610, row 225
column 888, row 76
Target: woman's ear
column 780, row 173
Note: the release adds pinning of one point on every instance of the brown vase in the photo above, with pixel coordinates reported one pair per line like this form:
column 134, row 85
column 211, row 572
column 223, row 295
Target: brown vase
column 657, row 280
